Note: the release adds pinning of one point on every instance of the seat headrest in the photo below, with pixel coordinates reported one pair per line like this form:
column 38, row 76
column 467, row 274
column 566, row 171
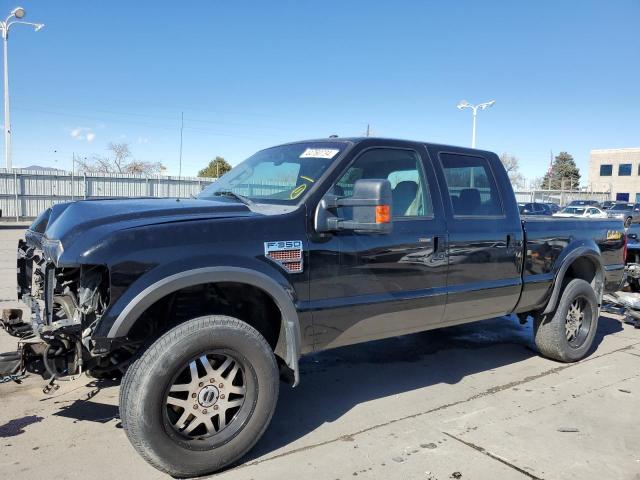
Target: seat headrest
column 470, row 196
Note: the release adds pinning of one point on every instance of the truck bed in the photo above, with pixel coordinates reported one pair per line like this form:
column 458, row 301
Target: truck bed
column 549, row 239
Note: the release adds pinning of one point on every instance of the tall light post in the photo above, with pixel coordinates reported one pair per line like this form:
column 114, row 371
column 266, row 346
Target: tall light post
column 474, row 108
column 14, row 18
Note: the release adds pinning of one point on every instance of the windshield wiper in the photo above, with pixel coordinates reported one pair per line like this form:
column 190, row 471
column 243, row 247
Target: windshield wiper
column 237, row 196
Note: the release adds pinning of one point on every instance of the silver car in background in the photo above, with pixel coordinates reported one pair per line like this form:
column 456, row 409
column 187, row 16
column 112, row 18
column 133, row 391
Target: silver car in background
column 581, row 212
column 629, row 212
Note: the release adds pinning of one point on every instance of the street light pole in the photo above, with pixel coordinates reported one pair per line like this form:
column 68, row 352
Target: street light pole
column 474, row 108
column 473, row 133
column 13, row 19
column 7, row 120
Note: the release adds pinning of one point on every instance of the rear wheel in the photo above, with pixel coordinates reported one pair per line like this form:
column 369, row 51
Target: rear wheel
column 567, row 333
column 201, row 396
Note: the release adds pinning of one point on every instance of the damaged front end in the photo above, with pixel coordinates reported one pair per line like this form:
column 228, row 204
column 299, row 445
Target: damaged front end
column 65, row 304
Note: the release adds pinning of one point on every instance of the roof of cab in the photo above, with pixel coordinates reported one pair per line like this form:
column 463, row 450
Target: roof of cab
column 356, row 140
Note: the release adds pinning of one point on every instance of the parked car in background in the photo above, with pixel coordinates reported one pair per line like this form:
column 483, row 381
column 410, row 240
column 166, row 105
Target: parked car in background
column 607, row 205
column 555, row 208
column 629, row 212
column 584, row 203
column 534, row 208
column 585, row 212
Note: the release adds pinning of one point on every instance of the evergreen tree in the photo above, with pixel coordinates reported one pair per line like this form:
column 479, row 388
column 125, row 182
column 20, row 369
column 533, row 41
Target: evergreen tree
column 216, row 168
column 563, row 170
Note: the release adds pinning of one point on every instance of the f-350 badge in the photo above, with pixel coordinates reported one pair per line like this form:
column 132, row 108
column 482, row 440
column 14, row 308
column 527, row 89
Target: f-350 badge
column 286, row 253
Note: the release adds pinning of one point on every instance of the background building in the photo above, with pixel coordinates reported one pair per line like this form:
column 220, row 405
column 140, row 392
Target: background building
column 616, row 170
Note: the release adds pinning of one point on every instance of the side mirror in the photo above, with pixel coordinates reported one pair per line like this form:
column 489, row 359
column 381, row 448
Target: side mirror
column 371, row 206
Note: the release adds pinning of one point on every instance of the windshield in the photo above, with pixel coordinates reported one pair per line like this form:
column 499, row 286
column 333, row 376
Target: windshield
column 278, row 175
column 573, row 210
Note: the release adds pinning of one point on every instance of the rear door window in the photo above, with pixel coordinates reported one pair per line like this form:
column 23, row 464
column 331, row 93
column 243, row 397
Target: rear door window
column 472, row 187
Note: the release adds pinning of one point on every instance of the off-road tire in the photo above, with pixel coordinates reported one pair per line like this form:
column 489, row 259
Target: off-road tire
column 145, row 383
column 549, row 329
column 634, row 284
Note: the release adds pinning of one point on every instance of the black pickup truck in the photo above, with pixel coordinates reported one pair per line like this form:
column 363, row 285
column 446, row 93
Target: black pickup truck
column 207, row 303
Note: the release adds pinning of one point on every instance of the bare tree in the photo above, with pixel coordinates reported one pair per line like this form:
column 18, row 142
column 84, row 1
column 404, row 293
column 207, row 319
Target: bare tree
column 512, row 166
column 120, row 161
column 120, row 153
column 536, row 183
column 144, row 168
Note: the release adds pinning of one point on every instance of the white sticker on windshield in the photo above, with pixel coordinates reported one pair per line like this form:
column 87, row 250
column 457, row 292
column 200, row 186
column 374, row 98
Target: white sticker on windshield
column 319, row 153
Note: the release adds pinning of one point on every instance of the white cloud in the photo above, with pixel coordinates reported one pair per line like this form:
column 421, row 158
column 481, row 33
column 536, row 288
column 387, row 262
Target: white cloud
column 83, row 134
column 143, row 140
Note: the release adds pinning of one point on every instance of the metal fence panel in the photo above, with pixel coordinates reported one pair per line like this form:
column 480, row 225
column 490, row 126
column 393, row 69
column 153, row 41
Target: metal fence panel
column 26, row 193
column 560, row 197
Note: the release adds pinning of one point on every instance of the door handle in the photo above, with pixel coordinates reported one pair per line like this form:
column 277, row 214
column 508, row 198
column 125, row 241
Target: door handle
column 439, row 247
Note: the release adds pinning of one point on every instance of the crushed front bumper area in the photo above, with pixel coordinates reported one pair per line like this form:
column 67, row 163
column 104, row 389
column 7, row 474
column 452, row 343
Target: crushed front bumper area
column 64, row 305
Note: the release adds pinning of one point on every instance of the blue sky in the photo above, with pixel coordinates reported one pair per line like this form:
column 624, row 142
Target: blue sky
column 247, row 75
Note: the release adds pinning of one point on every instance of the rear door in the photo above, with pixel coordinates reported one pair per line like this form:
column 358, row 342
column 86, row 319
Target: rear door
column 485, row 235
column 368, row 286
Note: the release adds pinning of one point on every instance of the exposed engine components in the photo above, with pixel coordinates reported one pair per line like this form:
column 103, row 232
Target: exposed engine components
column 65, row 305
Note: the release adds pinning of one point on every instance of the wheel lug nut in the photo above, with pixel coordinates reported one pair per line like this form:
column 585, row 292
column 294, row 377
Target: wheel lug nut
column 215, row 407
column 195, row 407
column 222, row 396
column 201, row 384
column 212, row 380
column 221, row 385
column 204, row 411
column 193, row 395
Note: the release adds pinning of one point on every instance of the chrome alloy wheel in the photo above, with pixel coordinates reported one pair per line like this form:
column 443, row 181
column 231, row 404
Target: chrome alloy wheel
column 577, row 322
column 206, row 395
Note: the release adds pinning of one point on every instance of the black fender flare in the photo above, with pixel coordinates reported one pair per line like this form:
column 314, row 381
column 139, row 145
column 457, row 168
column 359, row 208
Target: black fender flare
column 283, row 299
column 583, row 251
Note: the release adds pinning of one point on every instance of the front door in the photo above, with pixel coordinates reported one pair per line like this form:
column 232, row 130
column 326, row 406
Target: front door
column 368, row 286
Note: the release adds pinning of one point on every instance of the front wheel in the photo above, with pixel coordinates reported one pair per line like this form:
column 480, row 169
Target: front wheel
column 201, row 396
column 567, row 333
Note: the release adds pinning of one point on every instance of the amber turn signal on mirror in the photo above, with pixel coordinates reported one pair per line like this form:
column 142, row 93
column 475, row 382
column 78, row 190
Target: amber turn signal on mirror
column 383, row 214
